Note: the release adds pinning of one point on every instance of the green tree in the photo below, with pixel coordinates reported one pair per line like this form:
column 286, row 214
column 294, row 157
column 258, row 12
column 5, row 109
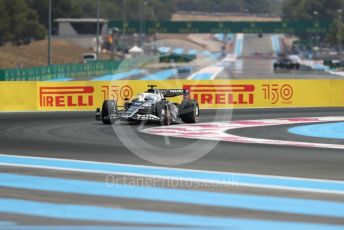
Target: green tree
column 315, row 10
column 304, row 9
column 23, row 22
column 275, row 6
column 336, row 34
column 4, row 23
column 60, row 9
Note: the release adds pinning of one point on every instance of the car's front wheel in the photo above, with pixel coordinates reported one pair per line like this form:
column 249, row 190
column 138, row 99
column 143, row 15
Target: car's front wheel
column 109, row 108
column 164, row 113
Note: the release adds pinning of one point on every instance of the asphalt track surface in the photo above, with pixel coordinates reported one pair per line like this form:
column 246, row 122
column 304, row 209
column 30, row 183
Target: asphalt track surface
column 76, row 135
column 52, row 198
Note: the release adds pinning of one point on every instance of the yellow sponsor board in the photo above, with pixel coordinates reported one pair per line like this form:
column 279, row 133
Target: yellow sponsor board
column 337, row 93
column 18, row 96
column 212, row 94
column 82, row 95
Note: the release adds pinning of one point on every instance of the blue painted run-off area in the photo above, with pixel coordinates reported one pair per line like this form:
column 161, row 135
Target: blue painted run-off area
column 242, row 201
column 161, row 75
column 192, row 52
column 164, row 49
column 178, row 51
column 238, row 45
column 184, row 174
column 276, row 46
column 202, row 76
column 94, row 213
column 329, row 130
column 60, row 79
column 224, row 37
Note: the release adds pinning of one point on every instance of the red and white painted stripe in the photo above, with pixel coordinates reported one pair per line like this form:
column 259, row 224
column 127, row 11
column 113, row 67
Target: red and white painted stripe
column 217, row 131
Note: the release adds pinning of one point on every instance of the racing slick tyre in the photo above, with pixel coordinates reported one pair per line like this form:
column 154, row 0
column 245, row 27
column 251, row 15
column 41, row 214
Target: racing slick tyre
column 189, row 111
column 164, row 113
column 109, row 108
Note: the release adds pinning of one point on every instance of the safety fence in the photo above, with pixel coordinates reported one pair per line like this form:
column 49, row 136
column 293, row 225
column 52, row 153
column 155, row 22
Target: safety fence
column 215, row 94
column 90, row 69
column 185, row 27
column 45, row 73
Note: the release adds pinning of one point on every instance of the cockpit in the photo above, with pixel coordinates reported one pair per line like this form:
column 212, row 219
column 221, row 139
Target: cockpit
column 147, row 97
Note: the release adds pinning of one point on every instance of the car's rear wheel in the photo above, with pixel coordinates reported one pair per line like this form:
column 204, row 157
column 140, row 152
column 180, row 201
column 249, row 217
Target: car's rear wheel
column 108, row 109
column 189, row 111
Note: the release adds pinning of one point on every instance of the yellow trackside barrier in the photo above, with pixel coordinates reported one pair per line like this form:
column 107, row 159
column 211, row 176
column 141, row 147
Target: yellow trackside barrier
column 18, row 96
column 86, row 95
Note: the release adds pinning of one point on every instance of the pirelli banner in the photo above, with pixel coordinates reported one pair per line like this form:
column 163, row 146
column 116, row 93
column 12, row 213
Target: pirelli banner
column 214, row 94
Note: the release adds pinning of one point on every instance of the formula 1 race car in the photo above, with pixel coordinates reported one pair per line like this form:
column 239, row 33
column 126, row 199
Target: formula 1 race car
column 151, row 105
column 291, row 62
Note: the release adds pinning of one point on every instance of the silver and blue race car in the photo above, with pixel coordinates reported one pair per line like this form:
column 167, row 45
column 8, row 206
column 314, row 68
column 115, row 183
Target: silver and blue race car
column 151, row 106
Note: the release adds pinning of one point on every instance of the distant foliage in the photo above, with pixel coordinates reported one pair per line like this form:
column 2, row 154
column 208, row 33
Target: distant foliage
column 19, row 23
column 304, row 9
column 317, row 10
column 26, row 20
column 60, row 9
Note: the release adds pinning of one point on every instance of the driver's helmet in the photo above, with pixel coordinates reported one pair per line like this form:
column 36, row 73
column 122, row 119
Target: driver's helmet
column 151, row 91
column 150, row 97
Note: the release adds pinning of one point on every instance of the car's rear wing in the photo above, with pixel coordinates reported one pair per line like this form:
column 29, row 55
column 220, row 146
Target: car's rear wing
column 174, row 92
